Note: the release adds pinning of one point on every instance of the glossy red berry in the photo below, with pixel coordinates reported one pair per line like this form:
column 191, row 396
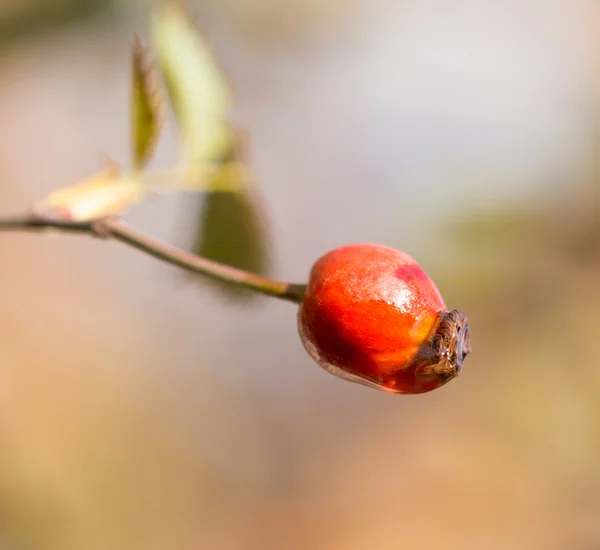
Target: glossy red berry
column 373, row 316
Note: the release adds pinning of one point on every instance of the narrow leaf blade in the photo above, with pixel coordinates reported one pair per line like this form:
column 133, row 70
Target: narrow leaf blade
column 145, row 108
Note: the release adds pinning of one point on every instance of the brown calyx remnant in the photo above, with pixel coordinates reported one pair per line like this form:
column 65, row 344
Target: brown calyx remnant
column 442, row 355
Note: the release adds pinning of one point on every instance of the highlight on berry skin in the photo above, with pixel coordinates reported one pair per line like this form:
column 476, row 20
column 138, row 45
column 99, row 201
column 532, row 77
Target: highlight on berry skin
column 372, row 315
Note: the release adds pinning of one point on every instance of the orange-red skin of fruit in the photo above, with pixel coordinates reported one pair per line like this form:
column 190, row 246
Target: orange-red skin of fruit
column 366, row 312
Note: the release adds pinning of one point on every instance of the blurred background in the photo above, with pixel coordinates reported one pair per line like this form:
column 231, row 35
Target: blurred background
column 140, row 410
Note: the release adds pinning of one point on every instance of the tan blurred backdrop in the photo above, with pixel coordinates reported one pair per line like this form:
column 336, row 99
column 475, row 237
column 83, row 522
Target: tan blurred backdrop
column 139, row 411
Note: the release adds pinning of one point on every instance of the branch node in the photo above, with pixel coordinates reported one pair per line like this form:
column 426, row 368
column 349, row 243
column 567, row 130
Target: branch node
column 100, row 228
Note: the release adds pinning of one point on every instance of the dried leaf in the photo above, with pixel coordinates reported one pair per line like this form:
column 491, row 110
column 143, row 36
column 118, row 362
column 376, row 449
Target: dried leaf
column 104, row 194
column 145, row 108
column 197, row 89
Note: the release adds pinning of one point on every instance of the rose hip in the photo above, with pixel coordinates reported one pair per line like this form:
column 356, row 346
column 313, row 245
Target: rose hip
column 373, row 316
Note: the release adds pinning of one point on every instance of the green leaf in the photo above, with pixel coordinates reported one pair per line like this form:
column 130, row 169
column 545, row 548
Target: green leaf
column 232, row 230
column 196, row 87
column 106, row 194
column 145, row 108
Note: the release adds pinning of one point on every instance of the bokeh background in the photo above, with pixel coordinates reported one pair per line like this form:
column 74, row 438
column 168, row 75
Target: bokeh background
column 141, row 410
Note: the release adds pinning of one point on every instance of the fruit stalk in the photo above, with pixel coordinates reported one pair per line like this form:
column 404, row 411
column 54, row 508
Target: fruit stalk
column 113, row 228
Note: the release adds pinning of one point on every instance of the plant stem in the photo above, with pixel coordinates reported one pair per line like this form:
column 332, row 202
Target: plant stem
column 113, row 228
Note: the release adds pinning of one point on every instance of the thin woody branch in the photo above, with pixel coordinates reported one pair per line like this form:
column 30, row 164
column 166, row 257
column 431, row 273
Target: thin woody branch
column 114, row 228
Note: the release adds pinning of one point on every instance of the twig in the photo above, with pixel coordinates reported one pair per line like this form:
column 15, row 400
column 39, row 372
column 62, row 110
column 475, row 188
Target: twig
column 114, row 228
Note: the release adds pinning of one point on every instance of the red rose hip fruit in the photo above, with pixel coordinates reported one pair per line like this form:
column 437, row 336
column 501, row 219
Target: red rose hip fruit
column 373, row 316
